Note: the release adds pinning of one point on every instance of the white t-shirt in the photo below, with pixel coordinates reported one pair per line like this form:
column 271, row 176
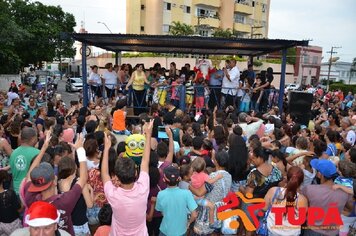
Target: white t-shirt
column 110, row 79
column 95, row 79
column 229, row 87
column 11, row 96
column 350, row 137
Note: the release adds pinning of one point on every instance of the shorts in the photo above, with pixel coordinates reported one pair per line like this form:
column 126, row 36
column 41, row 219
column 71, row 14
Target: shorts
column 81, row 230
column 201, row 202
column 199, row 102
column 110, row 93
column 92, row 214
column 189, row 98
column 8, row 228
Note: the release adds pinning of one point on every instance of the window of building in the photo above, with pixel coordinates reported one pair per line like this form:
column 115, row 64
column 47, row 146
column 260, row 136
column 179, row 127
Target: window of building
column 306, row 59
column 165, row 28
column 204, row 33
column 142, row 28
column 240, row 18
column 253, row 3
column 202, row 12
column 167, row 6
column 187, row 9
column 315, row 59
column 142, row 7
column 263, row 7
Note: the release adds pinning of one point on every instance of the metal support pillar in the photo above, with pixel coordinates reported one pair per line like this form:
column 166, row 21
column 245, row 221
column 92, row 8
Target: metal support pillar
column 282, row 82
column 84, row 75
column 116, row 58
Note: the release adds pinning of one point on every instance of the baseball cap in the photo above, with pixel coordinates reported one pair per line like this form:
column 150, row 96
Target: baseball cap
column 326, row 167
column 171, row 172
column 42, row 213
column 42, row 177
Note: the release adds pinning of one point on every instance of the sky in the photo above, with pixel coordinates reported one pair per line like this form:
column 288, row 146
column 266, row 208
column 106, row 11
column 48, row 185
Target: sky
column 326, row 22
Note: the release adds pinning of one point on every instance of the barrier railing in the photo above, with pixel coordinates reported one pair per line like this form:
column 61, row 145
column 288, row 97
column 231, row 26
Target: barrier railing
column 217, row 96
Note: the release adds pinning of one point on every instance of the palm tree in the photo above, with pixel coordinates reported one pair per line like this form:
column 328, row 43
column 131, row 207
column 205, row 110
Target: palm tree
column 223, row 33
column 182, row 29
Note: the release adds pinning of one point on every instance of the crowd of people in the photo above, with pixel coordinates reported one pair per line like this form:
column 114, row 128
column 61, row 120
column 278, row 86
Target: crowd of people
column 89, row 170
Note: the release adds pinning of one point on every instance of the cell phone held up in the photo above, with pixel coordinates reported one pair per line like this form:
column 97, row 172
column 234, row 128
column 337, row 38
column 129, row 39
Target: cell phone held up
column 162, row 132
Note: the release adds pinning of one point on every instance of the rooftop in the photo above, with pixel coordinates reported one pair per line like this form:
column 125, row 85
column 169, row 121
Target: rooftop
column 186, row 44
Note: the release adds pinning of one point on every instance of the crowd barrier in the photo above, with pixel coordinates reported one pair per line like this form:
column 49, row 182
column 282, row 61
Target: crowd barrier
column 143, row 99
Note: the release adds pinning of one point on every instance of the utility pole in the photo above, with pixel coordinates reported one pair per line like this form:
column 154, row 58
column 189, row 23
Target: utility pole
column 330, row 61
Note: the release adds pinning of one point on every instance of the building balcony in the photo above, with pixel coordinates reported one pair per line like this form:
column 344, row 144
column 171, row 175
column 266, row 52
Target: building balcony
column 213, row 22
column 210, row 3
column 244, row 9
column 242, row 27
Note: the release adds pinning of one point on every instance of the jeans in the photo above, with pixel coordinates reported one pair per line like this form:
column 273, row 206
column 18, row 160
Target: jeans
column 255, row 106
column 81, row 230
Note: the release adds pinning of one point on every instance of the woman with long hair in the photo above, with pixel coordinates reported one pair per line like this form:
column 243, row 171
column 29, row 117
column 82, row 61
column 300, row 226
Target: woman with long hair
column 138, row 80
column 238, row 159
column 286, row 197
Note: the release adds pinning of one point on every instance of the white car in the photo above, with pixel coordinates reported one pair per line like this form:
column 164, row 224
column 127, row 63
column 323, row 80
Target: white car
column 292, row 87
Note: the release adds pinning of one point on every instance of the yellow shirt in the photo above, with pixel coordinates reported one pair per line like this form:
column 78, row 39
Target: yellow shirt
column 139, row 81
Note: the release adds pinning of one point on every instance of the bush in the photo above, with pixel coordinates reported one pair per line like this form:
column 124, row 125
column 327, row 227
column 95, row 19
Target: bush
column 345, row 88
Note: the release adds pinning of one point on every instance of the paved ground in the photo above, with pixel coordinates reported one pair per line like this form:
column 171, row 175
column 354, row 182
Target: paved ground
column 67, row 97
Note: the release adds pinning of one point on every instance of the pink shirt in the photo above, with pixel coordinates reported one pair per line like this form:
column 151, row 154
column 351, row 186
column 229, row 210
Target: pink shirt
column 103, row 230
column 129, row 207
column 199, row 179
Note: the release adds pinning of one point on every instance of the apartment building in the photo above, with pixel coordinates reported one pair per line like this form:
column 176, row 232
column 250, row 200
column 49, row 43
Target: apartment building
column 247, row 18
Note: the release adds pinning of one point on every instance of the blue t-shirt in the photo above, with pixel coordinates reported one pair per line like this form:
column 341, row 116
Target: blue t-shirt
column 199, row 90
column 331, row 150
column 175, row 205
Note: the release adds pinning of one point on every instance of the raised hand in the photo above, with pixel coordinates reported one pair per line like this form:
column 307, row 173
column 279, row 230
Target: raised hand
column 107, row 141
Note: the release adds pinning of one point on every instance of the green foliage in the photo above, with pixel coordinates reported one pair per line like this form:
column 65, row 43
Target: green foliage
column 257, row 63
column 181, row 29
column 30, row 34
column 222, row 33
column 344, row 87
column 291, row 55
column 274, row 61
column 141, row 54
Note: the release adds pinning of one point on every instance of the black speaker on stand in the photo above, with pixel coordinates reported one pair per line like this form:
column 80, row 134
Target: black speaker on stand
column 300, row 106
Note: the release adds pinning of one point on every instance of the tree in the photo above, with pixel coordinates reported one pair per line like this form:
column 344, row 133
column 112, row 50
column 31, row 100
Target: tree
column 36, row 32
column 223, row 33
column 291, row 55
column 182, row 29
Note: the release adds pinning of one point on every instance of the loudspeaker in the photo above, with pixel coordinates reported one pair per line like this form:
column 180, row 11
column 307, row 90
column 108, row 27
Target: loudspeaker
column 300, row 106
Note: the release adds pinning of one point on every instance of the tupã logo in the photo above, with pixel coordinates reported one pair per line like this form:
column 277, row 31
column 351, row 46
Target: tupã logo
column 316, row 217
column 230, row 209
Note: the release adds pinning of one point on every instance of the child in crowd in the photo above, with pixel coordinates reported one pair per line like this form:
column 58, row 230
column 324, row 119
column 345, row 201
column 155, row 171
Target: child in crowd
column 347, row 171
column 245, row 100
column 279, row 161
column 188, row 129
column 308, row 170
column 189, row 90
column 206, row 96
column 186, row 172
column 198, row 179
column 9, row 207
column 119, row 118
column 104, row 216
column 175, row 205
column 199, row 95
column 187, row 142
column 301, row 147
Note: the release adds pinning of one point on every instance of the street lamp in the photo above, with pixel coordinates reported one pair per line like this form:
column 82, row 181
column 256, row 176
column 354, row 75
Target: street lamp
column 99, row 22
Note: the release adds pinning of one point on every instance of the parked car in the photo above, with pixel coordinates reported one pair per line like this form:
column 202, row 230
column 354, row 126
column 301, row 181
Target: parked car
column 292, row 87
column 74, row 85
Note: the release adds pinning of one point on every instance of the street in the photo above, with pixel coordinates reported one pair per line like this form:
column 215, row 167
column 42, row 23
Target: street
column 67, row 97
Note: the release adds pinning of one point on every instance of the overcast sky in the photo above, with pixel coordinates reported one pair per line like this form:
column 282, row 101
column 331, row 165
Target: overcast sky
column 326, row 22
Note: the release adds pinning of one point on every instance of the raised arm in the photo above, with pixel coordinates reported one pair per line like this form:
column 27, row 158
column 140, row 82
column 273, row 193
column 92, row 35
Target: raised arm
column 105, row 176
column 82, row 158
column 38, row 158
column 170, row 146
column 147, row 151
column 130, row 81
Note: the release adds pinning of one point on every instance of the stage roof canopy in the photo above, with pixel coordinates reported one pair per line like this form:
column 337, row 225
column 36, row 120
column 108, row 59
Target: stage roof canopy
column 186, row 44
